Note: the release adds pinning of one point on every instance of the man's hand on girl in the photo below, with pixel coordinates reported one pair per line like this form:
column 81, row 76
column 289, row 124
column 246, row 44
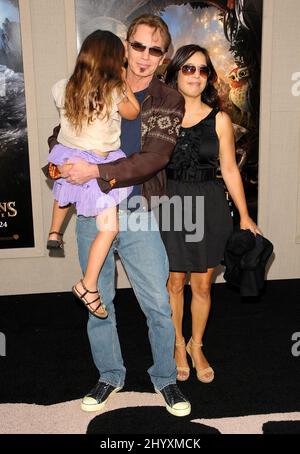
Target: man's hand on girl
column 64, row 170
column 81, row 172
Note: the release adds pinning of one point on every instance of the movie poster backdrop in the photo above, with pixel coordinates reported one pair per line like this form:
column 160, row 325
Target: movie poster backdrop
column 16, row 221
column 231, row 31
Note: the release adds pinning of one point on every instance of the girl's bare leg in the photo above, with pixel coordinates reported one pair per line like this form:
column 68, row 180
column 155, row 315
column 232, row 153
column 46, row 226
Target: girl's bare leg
column 107, row 222
column 58, row 217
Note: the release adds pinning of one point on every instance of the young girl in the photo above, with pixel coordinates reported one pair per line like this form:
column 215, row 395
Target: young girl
column 90, row 104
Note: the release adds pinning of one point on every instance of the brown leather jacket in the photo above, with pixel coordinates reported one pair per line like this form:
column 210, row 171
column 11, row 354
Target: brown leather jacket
column 162, row 112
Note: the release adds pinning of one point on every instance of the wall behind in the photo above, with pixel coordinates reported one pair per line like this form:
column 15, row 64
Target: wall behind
column 279, row 164
column 49, row 42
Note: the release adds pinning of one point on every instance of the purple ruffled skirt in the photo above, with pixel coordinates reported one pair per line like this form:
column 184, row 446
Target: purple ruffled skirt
column 88, row 198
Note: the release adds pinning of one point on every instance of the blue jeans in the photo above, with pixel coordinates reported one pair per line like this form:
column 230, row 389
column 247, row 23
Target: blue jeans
column 144, row 258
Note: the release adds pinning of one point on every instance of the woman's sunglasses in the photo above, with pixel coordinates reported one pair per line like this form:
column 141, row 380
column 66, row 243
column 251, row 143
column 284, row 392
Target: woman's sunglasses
column 189, row 70
column 154, row 51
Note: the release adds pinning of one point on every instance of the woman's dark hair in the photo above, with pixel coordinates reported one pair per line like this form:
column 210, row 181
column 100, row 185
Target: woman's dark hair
column 210, row 94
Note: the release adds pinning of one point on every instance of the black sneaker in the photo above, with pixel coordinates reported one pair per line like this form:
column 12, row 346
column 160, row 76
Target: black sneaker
column 96, row 399
column 176, row 403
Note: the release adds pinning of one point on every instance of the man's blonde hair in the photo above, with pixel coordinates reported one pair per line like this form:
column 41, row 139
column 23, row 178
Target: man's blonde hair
column 152, row 21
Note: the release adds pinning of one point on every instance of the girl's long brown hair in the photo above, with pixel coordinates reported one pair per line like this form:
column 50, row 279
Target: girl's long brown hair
column 97, row 72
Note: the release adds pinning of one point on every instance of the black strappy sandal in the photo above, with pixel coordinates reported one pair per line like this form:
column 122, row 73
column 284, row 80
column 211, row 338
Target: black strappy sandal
column 81, row 297
column 55, row 244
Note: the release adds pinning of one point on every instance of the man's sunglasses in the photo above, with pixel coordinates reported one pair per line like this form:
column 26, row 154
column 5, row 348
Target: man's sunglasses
column 189, row 70
column 154, row 51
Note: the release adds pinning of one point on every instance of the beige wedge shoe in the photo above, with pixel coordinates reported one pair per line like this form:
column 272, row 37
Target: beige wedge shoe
column 201, row 373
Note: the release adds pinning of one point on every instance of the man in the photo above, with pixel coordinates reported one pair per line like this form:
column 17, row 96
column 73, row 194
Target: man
column 148, row 143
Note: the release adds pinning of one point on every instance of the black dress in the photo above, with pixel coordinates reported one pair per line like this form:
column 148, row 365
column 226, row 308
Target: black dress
column 191, row 173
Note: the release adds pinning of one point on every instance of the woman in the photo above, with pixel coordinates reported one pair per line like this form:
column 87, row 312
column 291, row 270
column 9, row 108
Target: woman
column 206, row 140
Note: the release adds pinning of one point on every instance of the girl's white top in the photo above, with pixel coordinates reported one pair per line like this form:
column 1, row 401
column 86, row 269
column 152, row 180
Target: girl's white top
column 102, row 135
